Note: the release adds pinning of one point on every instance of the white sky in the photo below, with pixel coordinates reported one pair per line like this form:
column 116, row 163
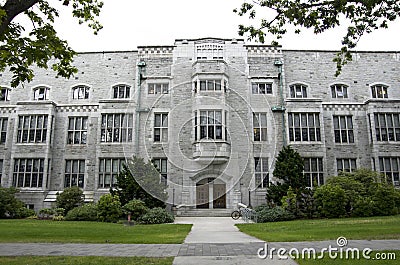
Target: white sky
column 131, row 23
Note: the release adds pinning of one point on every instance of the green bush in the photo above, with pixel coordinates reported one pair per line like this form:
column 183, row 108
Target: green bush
column 46, row 213
column 58, row 218
column 136, row 208
column 363, row 207
column 156, row 216
column 385, row 198
column 274, row 214
column 330, row 201
column 59, row 211
column 8, row 203
column 86, row 212
column 109, row 208
column 24, row 212
column 70, row 198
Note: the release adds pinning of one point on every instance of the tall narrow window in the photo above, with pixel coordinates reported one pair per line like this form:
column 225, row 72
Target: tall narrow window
column 121, row 91
column 313, row 171
column 5, row 94
column 74, row 173
column 158, row 88
column 346, row 164
column 41, row 93
column 32, row 129
column 389, row 166
column 1, row 171
column 298, row 91
column 3, row 130
column 80, row 92
column 387, row 127
column 261, row 173
column 109, row 169
column 28, row 172
column 261, row 88
column 339, row 91
column 211, row 124
column 304, row 127
column 260, row 126
column 343, row 128
column 379, row 91
column 77, row 130
column 117, row 128
column 161, row 165
column 161, row 127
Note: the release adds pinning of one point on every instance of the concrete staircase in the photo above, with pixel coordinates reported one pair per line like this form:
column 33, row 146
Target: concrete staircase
column 193, row 212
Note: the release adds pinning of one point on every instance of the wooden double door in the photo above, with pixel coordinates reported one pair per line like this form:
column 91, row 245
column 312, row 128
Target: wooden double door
column 207, row 187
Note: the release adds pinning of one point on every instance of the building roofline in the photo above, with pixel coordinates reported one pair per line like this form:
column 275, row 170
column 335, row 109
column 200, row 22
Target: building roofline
column 96, row 52
column 354, row 51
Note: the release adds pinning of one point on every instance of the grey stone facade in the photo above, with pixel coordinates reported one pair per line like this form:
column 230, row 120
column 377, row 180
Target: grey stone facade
column 208, row 89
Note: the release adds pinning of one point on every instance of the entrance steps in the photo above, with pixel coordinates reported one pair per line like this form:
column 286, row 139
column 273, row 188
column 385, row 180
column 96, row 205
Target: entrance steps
column 193, row 212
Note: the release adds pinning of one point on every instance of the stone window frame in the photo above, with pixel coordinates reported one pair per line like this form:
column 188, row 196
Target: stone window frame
column 25, row 175
column 304, row 131
column 115, row 166
column 121, row 91
column 123, row 133
column 387, row 130
column 390, row 167
column 161, row 164
column 314, row 171
column 260, row 127
column 343, row 129
column 160, row 127
column 77, row 128
column 379, row 91
column 261, row 172
column 339, row 90
column 74, row 176
column 25, row 128
column 298, row 90
column 3, row 129
column 80, row 92
column 346, row 164
column 5, row 93
column 41, row 92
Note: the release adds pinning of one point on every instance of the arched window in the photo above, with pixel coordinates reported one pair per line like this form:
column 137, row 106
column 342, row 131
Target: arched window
column 5, row 94
column 41, row 93
column 121, row 91
column 80, row 92
column 379, row 91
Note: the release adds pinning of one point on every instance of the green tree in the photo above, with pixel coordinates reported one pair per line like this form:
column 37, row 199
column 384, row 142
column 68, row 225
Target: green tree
column 20, row 47
column 109, row 208
column 141, row 181
column 9, row 205
column 70, row 198
column 362, row 17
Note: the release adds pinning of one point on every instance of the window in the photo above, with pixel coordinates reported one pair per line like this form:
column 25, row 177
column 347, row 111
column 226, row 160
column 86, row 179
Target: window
column 298, row 91
column 32, row 129
column 313, row 171
column 339, row 91
column 116, row 128
column 41, row 93
column 3, row 130
column 343, row 129
column 1, row 170
column 158, row 88
column 261, row 88
column 387, row 127
column 261, row 172
column 161, row 165
column 210, row 124
column 210, row 85
column 28, row 172
column 74, row 173
column 210, row 51
column 161, row 127
column 304, row 127
column 346, row 164
column 389, row 166
column 109, row 168
column 379, row 91
column 77, row 130
column 5, row 94
column 260, row 126
column 80, row 92
column 121, row 91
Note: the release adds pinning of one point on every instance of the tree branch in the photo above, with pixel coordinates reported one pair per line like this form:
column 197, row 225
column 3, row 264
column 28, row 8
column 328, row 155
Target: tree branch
column 13, row 8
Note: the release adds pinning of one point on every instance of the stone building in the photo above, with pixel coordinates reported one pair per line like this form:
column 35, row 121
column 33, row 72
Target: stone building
column 211, row 113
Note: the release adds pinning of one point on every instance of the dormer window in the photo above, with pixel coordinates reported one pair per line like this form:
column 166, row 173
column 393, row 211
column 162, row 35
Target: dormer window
column 121, row 91
column 379, row 91
column 5, row 94
column 298, row 91
column 41, row 93
column 339, row 91
column 80, row 92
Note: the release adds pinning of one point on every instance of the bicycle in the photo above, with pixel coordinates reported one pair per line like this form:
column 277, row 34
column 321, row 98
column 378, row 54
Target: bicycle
column 236, row 214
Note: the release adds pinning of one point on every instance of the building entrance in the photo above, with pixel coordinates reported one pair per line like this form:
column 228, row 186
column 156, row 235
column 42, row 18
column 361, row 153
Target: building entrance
column 210, row 194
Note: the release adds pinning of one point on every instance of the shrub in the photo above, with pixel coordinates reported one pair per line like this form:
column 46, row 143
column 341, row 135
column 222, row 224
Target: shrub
column 363, row 207
column 275, row 214
column 58, row 218
column 86, row 212
column 136, row 208
column 59, row 211
column 24, row 212
column 70, row 198
column 385, row 197
column 330, row 201
column 156, row 216
column 8, row 203
column 109, row 208
column 46, row 213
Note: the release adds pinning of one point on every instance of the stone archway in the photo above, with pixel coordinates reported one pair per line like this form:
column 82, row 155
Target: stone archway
column 210, row 194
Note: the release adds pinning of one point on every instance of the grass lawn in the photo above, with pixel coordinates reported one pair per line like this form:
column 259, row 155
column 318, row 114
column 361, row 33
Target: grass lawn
column 61, row 260
column 394, row 260
column 90, row 232
column 387, row 227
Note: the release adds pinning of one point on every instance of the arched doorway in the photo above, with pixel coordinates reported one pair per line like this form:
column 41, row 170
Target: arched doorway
column 210, row 194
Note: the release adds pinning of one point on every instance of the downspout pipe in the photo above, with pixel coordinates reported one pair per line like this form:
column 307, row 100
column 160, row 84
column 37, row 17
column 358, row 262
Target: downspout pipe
column 139, row 75
column 281, row 106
